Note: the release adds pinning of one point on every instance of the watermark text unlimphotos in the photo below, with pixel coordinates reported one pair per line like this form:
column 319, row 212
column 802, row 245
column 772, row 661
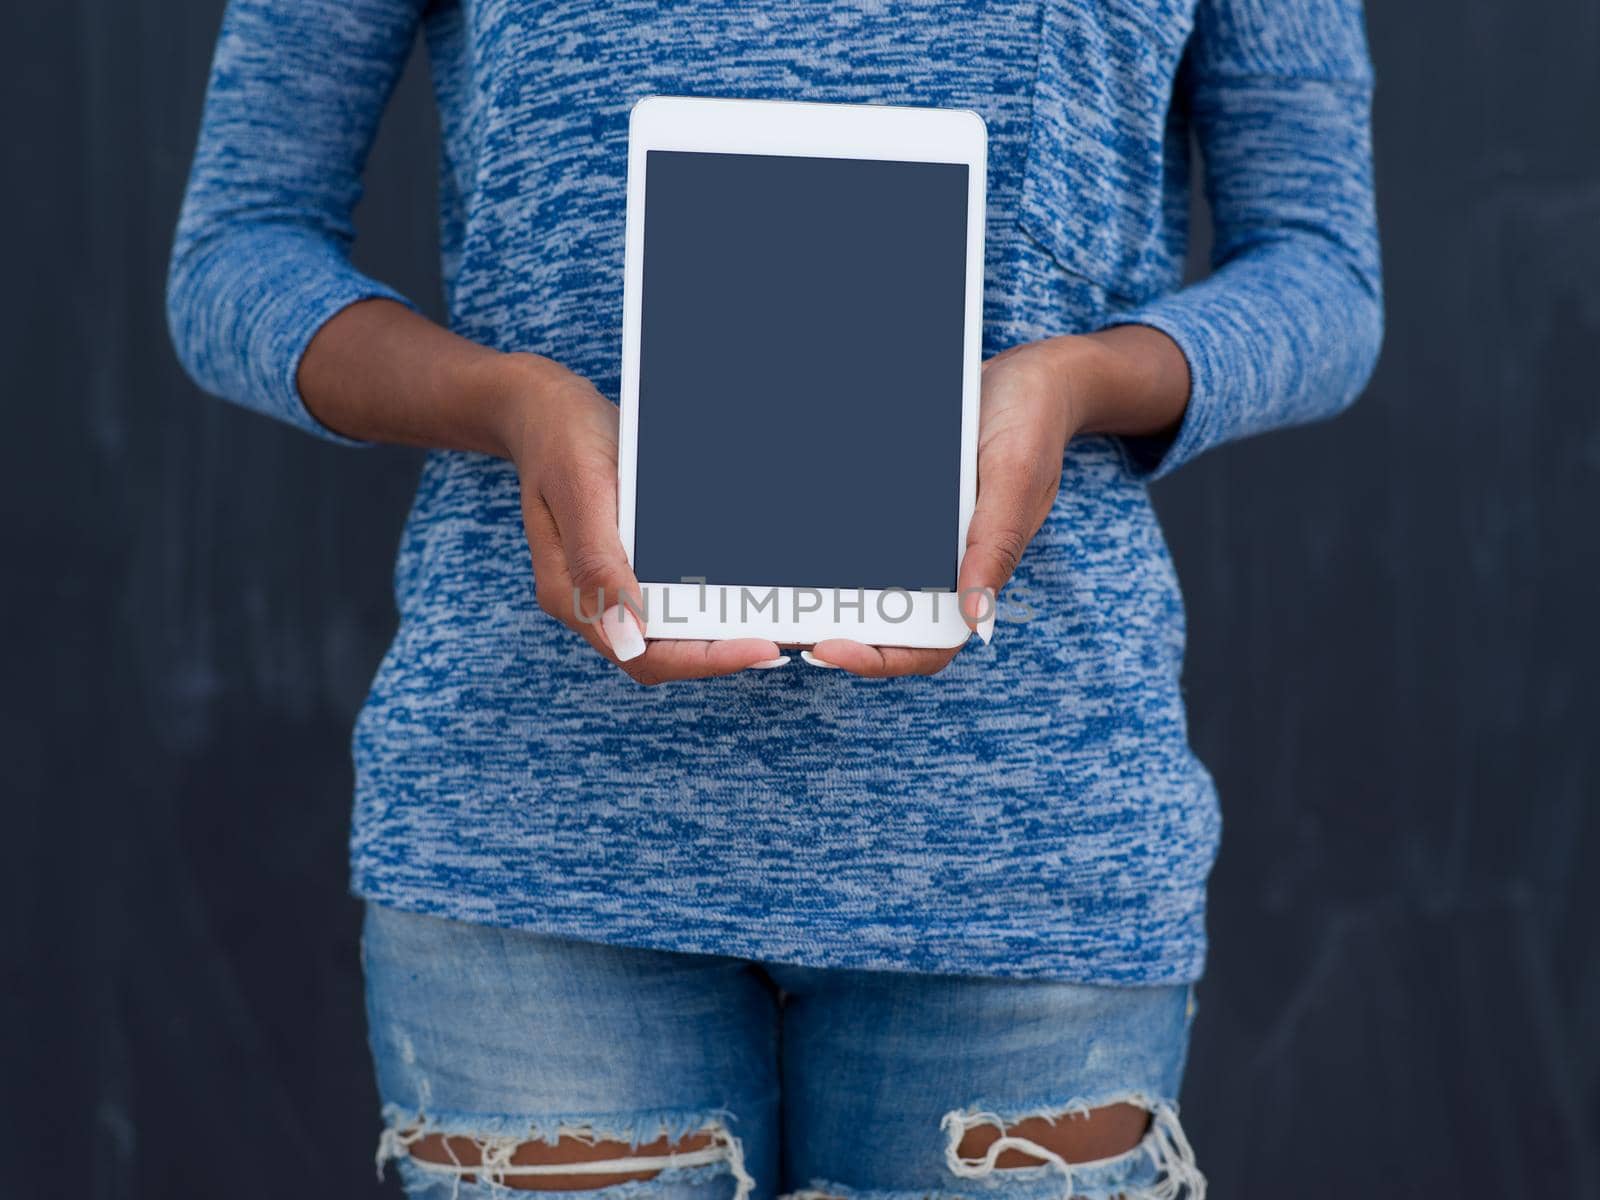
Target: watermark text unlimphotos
column 892, row 605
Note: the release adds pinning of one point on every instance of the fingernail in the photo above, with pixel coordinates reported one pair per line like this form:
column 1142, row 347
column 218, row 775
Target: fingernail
column 781, row 661
column 818, row 662
column 986, row 627
column 983, row 623
column 623, row 633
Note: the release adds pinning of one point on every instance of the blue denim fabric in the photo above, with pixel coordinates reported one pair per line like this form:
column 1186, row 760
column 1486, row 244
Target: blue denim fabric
column 857, row 1084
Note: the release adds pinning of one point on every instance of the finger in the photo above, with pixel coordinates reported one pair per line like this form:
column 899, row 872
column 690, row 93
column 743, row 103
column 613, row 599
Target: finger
column 583, row 504
column 1012, row 504
column 667, row 661
column 552, row 585
column 662, row 661
column 879, row 662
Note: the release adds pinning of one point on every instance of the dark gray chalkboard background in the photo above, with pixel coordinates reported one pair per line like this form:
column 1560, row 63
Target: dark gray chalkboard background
column 1392, row 669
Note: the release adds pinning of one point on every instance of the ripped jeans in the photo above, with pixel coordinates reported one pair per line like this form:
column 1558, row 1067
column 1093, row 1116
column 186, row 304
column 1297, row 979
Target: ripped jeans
column 702, row 1077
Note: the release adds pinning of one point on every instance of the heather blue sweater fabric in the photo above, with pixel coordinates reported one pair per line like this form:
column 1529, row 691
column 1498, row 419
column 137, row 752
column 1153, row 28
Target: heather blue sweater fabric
column 1035, row 810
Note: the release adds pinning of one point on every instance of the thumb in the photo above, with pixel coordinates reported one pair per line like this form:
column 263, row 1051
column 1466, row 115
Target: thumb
column 999, row 533
column 605, row 592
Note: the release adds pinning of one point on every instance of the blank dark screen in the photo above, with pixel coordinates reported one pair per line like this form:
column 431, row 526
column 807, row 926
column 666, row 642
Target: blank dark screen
column 800, row 371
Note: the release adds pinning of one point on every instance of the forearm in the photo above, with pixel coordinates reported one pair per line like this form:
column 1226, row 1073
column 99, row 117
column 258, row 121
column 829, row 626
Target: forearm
column 1129, row 380
column 380, row 372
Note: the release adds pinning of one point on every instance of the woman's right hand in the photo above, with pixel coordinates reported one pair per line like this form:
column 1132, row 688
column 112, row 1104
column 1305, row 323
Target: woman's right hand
column 378, row 371
column 561, row 434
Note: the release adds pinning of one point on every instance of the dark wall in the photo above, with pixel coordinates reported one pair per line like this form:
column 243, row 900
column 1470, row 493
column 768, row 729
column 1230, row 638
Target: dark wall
column 1390, row 666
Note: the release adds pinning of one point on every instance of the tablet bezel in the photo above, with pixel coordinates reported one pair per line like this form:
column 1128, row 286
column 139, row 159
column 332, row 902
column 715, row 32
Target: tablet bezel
column 803, row 615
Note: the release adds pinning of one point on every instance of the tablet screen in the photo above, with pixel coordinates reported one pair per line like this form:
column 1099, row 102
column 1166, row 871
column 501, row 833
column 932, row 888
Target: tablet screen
column 800, row 371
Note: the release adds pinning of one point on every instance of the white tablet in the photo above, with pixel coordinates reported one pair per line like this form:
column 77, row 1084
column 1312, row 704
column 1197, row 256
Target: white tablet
column 801, row 331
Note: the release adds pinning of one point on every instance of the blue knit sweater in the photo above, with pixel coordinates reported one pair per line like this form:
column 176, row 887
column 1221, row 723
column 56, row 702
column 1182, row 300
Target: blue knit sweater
column 1035, row 810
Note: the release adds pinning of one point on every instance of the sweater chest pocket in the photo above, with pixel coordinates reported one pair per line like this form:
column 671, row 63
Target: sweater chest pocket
column 1098, row 146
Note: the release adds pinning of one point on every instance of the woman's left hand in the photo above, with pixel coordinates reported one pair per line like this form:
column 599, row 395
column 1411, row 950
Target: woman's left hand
column 1036, row 396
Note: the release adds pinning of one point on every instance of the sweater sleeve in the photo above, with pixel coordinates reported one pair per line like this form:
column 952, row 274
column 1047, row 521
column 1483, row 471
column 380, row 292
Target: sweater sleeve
column 1287, row 327
column 261, row 257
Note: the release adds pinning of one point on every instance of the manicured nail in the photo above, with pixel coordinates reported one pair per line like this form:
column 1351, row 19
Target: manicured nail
column 623, row 633
column 818, row 662
column 986, row 627
column 781, row 661
column 985, row 623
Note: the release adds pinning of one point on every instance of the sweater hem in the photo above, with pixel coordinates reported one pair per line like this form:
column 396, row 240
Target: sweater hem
column 1082, row 954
